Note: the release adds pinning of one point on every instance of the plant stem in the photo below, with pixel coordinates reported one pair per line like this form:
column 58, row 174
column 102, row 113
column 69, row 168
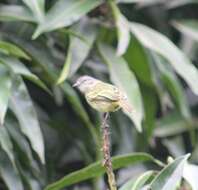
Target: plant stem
column 106, row 153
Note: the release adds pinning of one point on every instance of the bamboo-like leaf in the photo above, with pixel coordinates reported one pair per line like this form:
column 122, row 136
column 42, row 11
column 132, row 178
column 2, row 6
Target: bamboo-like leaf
column 96, row 169
column 126, row 81
column 123, row 31
column 45, row 61
column 174, row 4
column 190, row 174
column 187, row 27
column 173, row 85
column 139, row 62
column 6, row 144
column 20, row 69
column 14, row 50
column 169, row 177
column 21, row 141
column 9, row 173
column 162, row 45
column 5, row 88
column 64, row 13
column 78, row 49
column 65, row 71
column 140, row 182
column 15, row 13
column 173, row 124
column 21, row 105
column 37, row 7
column 73, row 98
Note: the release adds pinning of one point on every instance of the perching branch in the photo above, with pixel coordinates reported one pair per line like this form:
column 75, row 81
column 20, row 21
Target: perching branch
column 106, row 153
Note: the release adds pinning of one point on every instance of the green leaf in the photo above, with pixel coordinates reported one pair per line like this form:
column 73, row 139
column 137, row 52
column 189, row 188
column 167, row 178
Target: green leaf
column 6, row 144
column 15, row 13
column 78, row 49
column 37, row 7
column 143, row 180
column 122, row 29
column 139, row 62
column 129, row 1
column 13, row 50
column 22, row 142
column 45, row 60
column 65, row 13
column 169, row 177
column 19, row 68
column 125, row 80
column 176, row 4
column 65, row 71
column 150, row 98
column 5, row 88
column 73, row 98
column 173, row 85
column 162, row 45
column 187, row 27
column 21, row 105
column 172, row 124
column 127, row 185
column 9, row 174
column 96, row 169
column 140, row 182
column 190, row 174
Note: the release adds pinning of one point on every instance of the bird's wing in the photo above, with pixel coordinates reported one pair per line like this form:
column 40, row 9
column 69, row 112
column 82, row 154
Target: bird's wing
column 104, row 91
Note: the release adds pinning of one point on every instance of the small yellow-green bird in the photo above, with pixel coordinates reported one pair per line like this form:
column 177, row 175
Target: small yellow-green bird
column 102, row 96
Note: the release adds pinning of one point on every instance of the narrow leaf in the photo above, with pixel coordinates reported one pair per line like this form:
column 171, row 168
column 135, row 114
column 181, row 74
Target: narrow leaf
column 125, row 80
column 21, row 142
column 66, row 67
column 190, row 174
column 175, row 4
column 122, row 29
column 140, row 63
column 141, row 181
column 15, row 13
column 21, row 105
column 13, row 50
column 169, row 177
column 19, row 68
column 73, row 98
column 37, row 8
column 173, row 85
column 150, row 98
column 9, row 174
column 65, row 13
column 138, row 60
column 6, row 144
column 96, row 169
column 162, row 45
column 5, row 88
column 187, row 27
column 79, row 48
column 173, row 124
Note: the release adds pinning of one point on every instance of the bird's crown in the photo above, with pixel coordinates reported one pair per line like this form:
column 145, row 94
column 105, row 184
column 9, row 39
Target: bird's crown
column 85, row 82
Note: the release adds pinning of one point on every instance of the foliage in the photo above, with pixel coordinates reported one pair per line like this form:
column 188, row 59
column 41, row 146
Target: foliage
column 50, row 137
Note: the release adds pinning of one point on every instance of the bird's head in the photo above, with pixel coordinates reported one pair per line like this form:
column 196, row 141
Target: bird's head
column 85, row 83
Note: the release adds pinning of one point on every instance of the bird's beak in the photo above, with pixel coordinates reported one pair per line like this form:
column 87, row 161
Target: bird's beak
column 75, row 84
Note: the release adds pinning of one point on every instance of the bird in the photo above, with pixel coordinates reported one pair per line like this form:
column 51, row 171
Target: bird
column 102, row 96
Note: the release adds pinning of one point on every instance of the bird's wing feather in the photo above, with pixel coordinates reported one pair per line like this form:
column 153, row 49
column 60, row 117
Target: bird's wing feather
column 104, row 91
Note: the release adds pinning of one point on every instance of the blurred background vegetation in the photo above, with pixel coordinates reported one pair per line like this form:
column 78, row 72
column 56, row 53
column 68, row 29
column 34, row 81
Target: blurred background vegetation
column 49, row 134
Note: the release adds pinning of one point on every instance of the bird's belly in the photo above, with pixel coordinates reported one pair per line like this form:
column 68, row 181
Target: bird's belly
column 104, row 106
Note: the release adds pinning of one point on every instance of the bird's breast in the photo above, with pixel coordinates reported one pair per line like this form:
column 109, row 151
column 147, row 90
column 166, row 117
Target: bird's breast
column 104, row 106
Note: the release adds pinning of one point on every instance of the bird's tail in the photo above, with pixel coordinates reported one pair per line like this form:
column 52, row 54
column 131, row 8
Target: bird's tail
column 124, row 104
